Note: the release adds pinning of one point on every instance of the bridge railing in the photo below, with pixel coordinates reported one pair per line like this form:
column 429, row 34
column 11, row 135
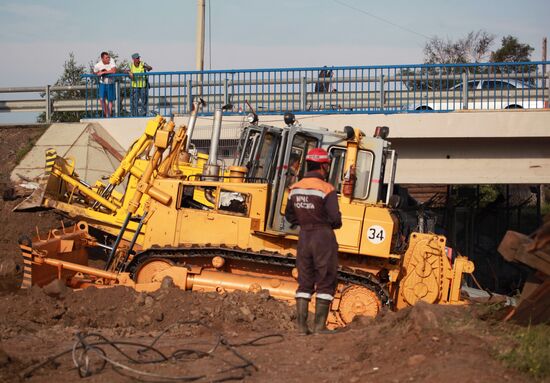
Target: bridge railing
column 315, row 90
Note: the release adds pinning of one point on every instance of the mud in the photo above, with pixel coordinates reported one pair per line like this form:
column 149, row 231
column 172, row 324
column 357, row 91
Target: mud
column 208, row 335
column 424, row 343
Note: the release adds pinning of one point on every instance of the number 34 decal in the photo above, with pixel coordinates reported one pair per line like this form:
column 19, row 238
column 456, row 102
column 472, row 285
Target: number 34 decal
column 376, row 234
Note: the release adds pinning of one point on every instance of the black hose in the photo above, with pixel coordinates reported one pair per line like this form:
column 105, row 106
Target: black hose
column 95, row 345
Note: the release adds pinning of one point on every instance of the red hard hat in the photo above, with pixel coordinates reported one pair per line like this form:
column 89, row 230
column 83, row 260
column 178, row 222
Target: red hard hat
column 319, row 155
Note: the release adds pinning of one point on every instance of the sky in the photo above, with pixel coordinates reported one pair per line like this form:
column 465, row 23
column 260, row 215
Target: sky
column 36, row 36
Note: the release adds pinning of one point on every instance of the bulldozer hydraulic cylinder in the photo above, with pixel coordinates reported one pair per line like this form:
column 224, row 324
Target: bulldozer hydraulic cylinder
column 135, row 237
column 76, row 267
column 118, row 239
column 220, row 281
column 85, row 190
column 105, row 194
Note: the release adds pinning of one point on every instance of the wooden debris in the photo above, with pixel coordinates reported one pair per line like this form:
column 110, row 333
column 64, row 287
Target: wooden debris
column 534, row 303
column 514, row 248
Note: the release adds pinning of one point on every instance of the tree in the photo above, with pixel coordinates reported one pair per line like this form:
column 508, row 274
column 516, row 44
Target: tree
column 71, row 76
column 474, row 47
column 512, row 50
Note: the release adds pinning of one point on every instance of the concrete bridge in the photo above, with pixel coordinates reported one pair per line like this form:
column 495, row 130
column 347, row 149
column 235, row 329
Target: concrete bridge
column 485, row 144
column 464, row 147
column 475, row 141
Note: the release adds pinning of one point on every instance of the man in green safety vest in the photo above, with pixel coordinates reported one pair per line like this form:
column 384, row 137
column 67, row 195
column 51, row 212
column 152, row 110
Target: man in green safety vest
column 140, row 86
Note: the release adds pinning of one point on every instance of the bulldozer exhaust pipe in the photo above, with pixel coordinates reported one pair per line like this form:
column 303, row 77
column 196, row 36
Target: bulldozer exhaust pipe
column 211, row 168
column 215, row 139
column 197, row 104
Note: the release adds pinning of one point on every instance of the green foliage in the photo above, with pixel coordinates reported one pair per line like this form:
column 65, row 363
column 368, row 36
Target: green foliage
column 531, row 353
column 72, row 72
column 488, row 194
column 512, row 51
column 479, row 196
column 71, row 76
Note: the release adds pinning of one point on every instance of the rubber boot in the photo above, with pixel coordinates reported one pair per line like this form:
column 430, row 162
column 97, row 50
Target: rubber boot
column 302, row 305
column 322, row 307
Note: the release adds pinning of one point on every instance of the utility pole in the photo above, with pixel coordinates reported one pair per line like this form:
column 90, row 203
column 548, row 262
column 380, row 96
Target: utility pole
column 545, row 76
column 199, row 59
column 544, row 46
column 545, row 82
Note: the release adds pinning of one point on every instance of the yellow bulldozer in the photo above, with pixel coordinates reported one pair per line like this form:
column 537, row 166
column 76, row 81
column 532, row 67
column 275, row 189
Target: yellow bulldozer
column 202, row 227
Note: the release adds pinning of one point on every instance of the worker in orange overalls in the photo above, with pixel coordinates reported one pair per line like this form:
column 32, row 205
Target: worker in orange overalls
column 313, row 205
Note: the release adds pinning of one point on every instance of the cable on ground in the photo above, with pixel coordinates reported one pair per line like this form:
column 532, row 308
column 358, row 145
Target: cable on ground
column 93, row 352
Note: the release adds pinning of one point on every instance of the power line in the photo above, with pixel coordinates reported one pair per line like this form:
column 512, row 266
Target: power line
column 381, row 19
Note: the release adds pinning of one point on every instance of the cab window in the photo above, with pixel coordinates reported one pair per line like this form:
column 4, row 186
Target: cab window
column 365, row 161
column 232, row 202
column 491, row 84
column 363, row 171
column 296, row 167
column 335, row 176
column 266, row 159
column 297, row 160
column 258, row 152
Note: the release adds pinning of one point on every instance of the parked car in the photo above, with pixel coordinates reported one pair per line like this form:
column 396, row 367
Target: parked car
column 483, row 94
column 497, row 84
column 364, row 96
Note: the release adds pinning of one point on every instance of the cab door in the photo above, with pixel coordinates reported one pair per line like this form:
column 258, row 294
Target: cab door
column 293, row 168
column 259, row 148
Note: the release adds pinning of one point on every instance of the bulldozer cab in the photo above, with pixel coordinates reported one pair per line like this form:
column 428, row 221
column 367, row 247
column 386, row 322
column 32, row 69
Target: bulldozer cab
column 276, row 156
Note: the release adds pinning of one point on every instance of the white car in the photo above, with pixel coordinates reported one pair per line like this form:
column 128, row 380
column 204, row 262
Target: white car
column 483, row 94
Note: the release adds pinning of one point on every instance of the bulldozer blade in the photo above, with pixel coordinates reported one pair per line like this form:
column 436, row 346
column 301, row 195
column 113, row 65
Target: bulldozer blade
column 34, row 201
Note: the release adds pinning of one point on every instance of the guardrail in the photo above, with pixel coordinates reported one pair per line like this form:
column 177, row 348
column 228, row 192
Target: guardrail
column 361, row 89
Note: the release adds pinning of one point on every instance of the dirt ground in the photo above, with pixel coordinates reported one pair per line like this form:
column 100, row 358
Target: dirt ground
column 14, row 143
column 173, row 335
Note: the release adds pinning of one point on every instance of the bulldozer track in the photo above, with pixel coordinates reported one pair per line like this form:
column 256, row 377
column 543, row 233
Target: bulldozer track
column 345, row 274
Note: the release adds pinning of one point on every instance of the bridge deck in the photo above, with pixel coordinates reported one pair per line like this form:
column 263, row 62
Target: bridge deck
column 467, row 147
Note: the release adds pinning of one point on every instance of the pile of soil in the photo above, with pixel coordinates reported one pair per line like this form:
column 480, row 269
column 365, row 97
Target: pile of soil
column 422, row 343
column 124, row 308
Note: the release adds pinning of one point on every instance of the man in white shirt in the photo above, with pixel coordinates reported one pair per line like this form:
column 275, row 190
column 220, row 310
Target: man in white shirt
column 106, row 84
